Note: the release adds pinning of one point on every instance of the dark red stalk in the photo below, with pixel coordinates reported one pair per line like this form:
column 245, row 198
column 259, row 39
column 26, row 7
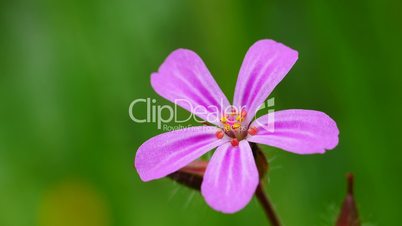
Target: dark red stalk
column 267, row 206
column 263, row 166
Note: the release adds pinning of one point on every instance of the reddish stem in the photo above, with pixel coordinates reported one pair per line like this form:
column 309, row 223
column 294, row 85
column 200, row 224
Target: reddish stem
column 267, row 206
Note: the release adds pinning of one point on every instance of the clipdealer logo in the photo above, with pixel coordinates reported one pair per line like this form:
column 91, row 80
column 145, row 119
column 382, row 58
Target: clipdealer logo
column 161, row 115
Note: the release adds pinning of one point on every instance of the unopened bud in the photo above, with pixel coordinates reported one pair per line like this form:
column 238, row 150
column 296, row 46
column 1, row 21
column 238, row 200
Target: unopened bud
column 349, row 215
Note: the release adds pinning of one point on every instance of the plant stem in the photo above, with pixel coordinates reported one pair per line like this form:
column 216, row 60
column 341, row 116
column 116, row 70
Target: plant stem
column 267, row 206
column 263, row 166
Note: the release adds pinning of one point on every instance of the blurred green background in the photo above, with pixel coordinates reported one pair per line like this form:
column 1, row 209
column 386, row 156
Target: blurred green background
column 69, row 70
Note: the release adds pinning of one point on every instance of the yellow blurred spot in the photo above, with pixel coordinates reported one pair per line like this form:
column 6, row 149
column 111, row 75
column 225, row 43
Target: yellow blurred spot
column 236, row 125
column 73, row 203
column 227, row 127
column 239, row 118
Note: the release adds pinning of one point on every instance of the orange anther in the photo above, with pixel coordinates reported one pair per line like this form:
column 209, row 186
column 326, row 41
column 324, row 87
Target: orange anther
column 219, row 134
column 243, row 113
column 234, row 142
column 252, row 131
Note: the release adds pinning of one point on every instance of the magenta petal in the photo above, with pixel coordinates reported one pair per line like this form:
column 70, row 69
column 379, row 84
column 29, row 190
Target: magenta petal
column 168, row 152
column 184, row 79
column 231, row 178
column 297, row 131
column 264, row 66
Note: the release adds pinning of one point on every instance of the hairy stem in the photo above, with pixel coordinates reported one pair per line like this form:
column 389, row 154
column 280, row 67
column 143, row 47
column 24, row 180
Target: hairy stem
column 263, row 166
column 267, row 206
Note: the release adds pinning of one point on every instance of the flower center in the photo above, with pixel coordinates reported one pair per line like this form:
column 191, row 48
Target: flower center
column 232, row 123
column 234, row 126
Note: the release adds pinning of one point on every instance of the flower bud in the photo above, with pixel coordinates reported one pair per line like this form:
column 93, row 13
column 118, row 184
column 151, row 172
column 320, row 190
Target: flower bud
column 190, row 175
column 349, row 215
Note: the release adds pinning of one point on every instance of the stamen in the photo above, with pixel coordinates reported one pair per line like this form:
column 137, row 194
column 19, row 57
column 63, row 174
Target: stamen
column 236, row 125
column 252, row 131
column 243, row 113
column 234, row 142
column 227, row 127
column 233, row 126
column 219, row 134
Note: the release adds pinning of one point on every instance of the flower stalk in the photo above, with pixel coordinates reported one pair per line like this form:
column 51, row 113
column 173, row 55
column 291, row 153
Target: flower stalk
column 267, row 206
column 263, row 166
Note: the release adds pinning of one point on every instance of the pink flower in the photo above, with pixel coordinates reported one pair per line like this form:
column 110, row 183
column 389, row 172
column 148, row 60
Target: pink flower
column 231, row 176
